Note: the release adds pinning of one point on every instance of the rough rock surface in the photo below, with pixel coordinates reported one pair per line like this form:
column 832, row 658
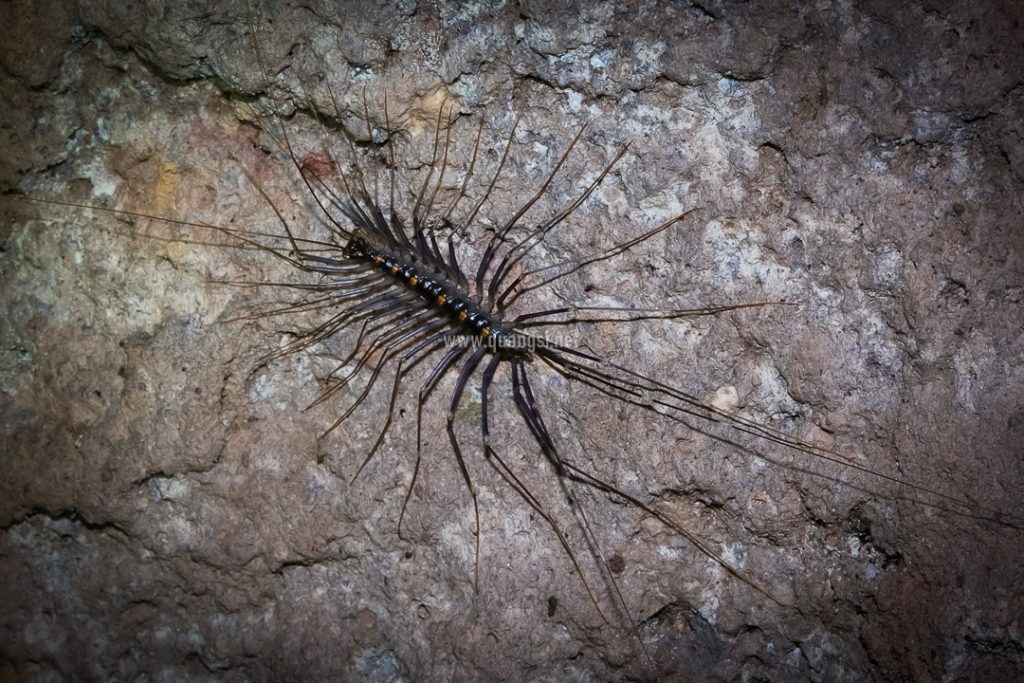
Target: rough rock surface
column 168, row 511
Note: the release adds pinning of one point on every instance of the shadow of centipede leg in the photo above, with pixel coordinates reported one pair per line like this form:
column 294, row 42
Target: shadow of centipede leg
column 527, row 404
column 387, row 340
column 460, row 387
column 405, row 363
column 536, row 426
column 425, row 389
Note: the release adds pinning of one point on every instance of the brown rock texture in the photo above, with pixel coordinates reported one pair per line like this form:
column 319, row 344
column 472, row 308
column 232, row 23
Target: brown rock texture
column 169, row 512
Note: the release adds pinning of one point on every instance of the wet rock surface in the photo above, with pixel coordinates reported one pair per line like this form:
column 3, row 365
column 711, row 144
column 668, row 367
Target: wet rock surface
column 169, row 510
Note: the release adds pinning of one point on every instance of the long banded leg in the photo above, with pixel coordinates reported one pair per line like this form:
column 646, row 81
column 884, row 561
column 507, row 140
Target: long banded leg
column 670, row 402
column 519, row 486
column 570, row 315
column 590, row 480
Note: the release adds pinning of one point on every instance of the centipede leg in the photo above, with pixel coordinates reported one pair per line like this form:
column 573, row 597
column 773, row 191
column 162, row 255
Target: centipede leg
column 485, row 387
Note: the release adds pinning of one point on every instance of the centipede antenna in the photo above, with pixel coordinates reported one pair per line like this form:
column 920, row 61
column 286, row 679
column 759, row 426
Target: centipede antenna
column 299, row 286
column 390, row 223
column 291, row 152
column 391, row 158
column 333, row 198
column 304, row 306
column 338, row 167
